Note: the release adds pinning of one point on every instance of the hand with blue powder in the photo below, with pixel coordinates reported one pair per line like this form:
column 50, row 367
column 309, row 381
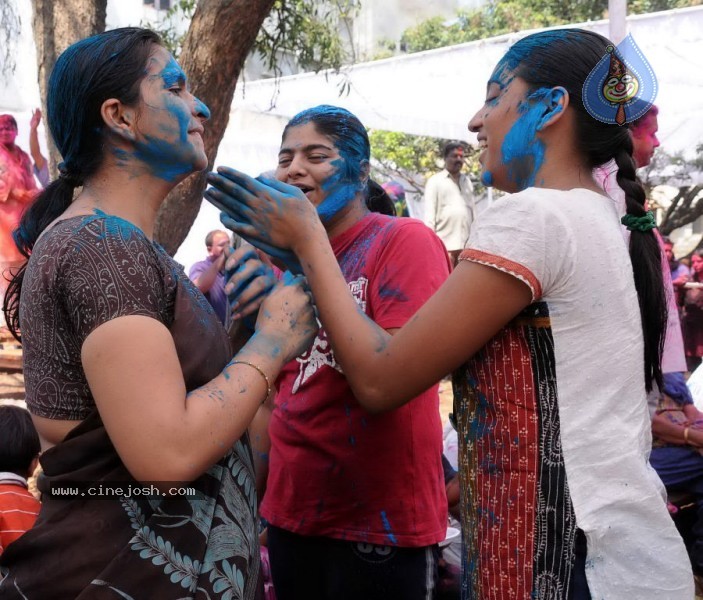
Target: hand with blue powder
column 271, row 215
column 286, row 325
column 284, row 259
column 248, row 281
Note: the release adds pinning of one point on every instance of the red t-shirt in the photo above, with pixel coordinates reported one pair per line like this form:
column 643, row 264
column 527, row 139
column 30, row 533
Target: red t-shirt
column 335, row 470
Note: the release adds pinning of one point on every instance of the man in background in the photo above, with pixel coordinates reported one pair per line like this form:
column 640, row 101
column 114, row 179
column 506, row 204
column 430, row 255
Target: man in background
column 450, row 208
column 209, row 275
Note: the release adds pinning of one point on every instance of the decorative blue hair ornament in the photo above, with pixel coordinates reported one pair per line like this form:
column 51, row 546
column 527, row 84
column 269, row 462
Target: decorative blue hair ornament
column 622, row 86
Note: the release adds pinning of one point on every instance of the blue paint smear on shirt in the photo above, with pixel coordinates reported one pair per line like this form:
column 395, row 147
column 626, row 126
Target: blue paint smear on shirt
column 387, row 527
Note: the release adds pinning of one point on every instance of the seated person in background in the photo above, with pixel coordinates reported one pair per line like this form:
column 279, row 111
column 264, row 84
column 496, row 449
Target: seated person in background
column 19, row 456
column 677, row 427
column 209, row 275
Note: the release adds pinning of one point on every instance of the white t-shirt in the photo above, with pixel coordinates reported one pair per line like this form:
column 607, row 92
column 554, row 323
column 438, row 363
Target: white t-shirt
column 567, row 246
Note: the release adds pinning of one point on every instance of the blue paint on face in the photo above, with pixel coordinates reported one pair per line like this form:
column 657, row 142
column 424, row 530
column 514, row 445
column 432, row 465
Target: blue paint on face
column 387, row 527
column 201, row 108
column 339, row 190
column 487, row 178
column 158, row 155
column 521, row 151
column 171, row 157
column 172, row 74
column 352, row 142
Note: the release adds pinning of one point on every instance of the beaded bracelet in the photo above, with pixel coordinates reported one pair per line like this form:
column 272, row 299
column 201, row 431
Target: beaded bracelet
column 253, row 366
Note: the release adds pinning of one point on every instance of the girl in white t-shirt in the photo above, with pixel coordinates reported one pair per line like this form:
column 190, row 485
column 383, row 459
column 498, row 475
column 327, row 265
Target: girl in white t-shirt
column 553, row 331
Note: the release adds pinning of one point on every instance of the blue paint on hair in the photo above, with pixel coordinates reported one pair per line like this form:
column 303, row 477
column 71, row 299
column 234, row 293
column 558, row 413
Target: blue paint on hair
column 521, row 50
column 69, row 90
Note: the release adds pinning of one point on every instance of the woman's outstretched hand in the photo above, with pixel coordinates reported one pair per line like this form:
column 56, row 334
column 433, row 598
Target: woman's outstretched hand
column 270, row 214
column 287, row 317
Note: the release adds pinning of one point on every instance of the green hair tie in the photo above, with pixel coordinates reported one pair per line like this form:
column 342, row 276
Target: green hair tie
column 644, row 224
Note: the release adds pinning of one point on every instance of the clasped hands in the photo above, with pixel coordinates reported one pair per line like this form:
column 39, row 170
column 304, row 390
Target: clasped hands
column 257, row 210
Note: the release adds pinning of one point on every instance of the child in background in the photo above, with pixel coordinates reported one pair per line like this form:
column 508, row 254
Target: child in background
column 19, row 455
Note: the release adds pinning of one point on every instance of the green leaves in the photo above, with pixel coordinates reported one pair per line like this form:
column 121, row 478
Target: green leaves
column 309, row 32
column 498, row 17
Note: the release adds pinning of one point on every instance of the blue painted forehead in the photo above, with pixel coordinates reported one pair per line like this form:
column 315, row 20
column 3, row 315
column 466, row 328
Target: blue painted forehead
column 340, row 125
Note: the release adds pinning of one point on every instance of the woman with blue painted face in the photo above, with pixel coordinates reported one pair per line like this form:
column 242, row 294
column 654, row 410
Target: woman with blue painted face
column 355, row 502
column 148, row 483
column 553, row 329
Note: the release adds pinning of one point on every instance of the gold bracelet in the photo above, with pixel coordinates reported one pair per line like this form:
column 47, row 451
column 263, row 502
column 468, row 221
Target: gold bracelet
column 685, row 435
column 253, row 366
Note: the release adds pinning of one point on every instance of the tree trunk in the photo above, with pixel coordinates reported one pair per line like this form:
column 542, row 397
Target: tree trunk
column 215, row 47
column 57, row 25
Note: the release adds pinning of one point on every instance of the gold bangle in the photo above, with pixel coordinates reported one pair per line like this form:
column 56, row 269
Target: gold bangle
column 253, row 366
column 685, row 435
